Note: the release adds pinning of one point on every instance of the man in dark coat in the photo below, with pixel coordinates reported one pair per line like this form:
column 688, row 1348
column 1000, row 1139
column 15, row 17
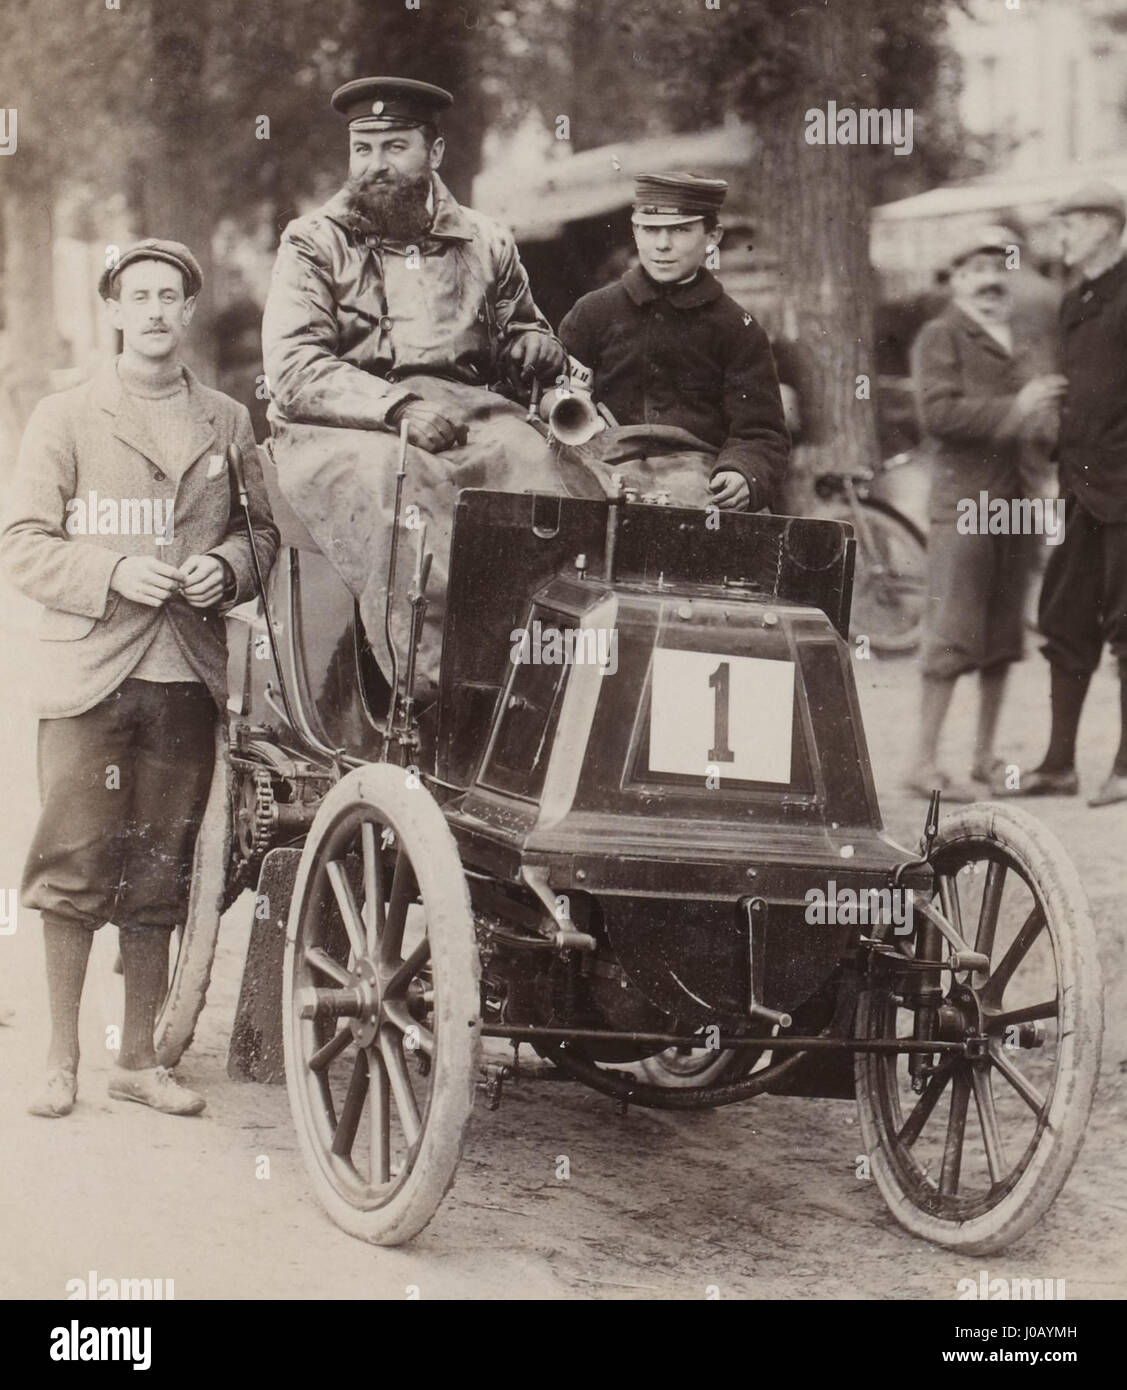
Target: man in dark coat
column 120, row 522
column 978, row 401
column 669, row 351
column 1084, row 594
column 394, row 306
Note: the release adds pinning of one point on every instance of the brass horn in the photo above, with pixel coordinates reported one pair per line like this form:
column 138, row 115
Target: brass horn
column 571, row 416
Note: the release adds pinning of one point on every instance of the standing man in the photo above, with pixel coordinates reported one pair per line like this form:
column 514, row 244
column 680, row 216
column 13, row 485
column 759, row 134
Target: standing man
column 1084, row 594
column 120, row 522
column 394, row 306
column 978, row 400
column 668, row 348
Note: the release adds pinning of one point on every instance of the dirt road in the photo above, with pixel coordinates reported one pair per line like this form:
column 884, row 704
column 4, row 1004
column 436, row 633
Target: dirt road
column 755, row 1201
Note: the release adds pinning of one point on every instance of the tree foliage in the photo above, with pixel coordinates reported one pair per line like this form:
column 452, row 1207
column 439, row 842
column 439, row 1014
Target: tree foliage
column 104, row 93
column 166, row 103
column 623, row 71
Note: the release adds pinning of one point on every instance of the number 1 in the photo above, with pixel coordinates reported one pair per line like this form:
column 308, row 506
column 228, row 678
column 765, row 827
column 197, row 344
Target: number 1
column 720, row 681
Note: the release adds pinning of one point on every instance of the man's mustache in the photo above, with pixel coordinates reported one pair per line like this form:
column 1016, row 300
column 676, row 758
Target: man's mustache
column 375, row 180
column 363, row 182
column 392, row 190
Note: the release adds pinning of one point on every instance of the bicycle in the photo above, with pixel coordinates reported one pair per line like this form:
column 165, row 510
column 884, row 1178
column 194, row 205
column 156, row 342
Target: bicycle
column 889, row 583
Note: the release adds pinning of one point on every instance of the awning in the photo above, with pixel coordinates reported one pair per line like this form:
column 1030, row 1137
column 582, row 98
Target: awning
column 600, row 181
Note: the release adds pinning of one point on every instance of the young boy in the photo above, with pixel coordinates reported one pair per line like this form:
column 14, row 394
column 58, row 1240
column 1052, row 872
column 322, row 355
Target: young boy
column 668, row 347
column 119, row 521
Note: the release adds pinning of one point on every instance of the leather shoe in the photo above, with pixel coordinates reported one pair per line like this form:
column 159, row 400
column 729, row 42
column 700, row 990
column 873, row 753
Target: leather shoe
column 1037, row 783
column 1113, row 790
column 58, row 1094
column 157, row 1088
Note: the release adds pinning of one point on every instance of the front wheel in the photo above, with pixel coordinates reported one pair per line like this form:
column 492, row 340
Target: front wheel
column 970, row 1148
column 381, row 1005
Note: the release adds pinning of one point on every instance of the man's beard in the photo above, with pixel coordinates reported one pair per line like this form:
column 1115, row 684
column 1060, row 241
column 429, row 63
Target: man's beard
column 396, row 210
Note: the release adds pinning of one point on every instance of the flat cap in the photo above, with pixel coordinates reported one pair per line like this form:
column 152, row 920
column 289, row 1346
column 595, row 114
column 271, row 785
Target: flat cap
column 988, row 238
column 389, row 103
column 660, row 200
column 1094, row 197
column 152, row 249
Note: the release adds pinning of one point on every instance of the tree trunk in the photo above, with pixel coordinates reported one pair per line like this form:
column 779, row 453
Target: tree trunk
column 173, row 200
column 816, row 201
column 439, row 44
column 32, row 343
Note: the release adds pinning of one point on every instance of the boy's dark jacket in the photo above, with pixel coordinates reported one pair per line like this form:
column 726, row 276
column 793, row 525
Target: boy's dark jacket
column 688, row 356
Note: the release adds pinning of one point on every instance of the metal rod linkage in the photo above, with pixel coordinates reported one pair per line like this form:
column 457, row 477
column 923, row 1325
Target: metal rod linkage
column 768, row 1044
column 400, row 475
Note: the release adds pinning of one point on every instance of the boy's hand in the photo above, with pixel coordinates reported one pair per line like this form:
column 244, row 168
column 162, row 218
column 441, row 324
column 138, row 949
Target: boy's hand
column 145, row 579
column 204, row 580
column 731, row 492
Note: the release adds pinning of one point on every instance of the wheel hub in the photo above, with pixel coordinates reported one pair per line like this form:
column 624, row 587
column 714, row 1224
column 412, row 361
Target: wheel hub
column 365, row 981
column 960, row 1016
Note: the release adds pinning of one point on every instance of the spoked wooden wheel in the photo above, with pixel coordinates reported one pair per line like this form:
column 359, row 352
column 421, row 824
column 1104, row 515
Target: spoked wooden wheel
column 969, row 1148
column 381, row 1008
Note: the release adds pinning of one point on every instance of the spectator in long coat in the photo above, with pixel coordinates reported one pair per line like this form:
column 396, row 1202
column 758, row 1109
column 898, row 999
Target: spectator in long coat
column 978, row 400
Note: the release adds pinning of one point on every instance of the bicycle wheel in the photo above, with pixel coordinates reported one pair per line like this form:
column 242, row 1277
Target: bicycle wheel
column 890, row 578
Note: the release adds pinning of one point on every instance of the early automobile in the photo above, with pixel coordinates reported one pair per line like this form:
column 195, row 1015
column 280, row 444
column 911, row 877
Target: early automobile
column 638, row 833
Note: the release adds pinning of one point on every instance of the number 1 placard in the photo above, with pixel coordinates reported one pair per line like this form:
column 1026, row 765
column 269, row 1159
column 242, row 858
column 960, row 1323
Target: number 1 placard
column 729, row 714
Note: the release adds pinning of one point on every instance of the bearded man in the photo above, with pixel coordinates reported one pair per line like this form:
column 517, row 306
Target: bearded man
column 393, row 305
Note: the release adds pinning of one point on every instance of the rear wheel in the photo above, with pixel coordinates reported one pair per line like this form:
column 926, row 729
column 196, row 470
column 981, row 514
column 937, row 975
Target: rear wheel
column 969, row 1149
column 381, row 1005
column 192, row 946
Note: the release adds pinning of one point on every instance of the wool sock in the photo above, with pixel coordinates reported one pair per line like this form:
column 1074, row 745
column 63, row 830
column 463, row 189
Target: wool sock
column 1066, row 694
column 144, row 960
column 67, row 947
